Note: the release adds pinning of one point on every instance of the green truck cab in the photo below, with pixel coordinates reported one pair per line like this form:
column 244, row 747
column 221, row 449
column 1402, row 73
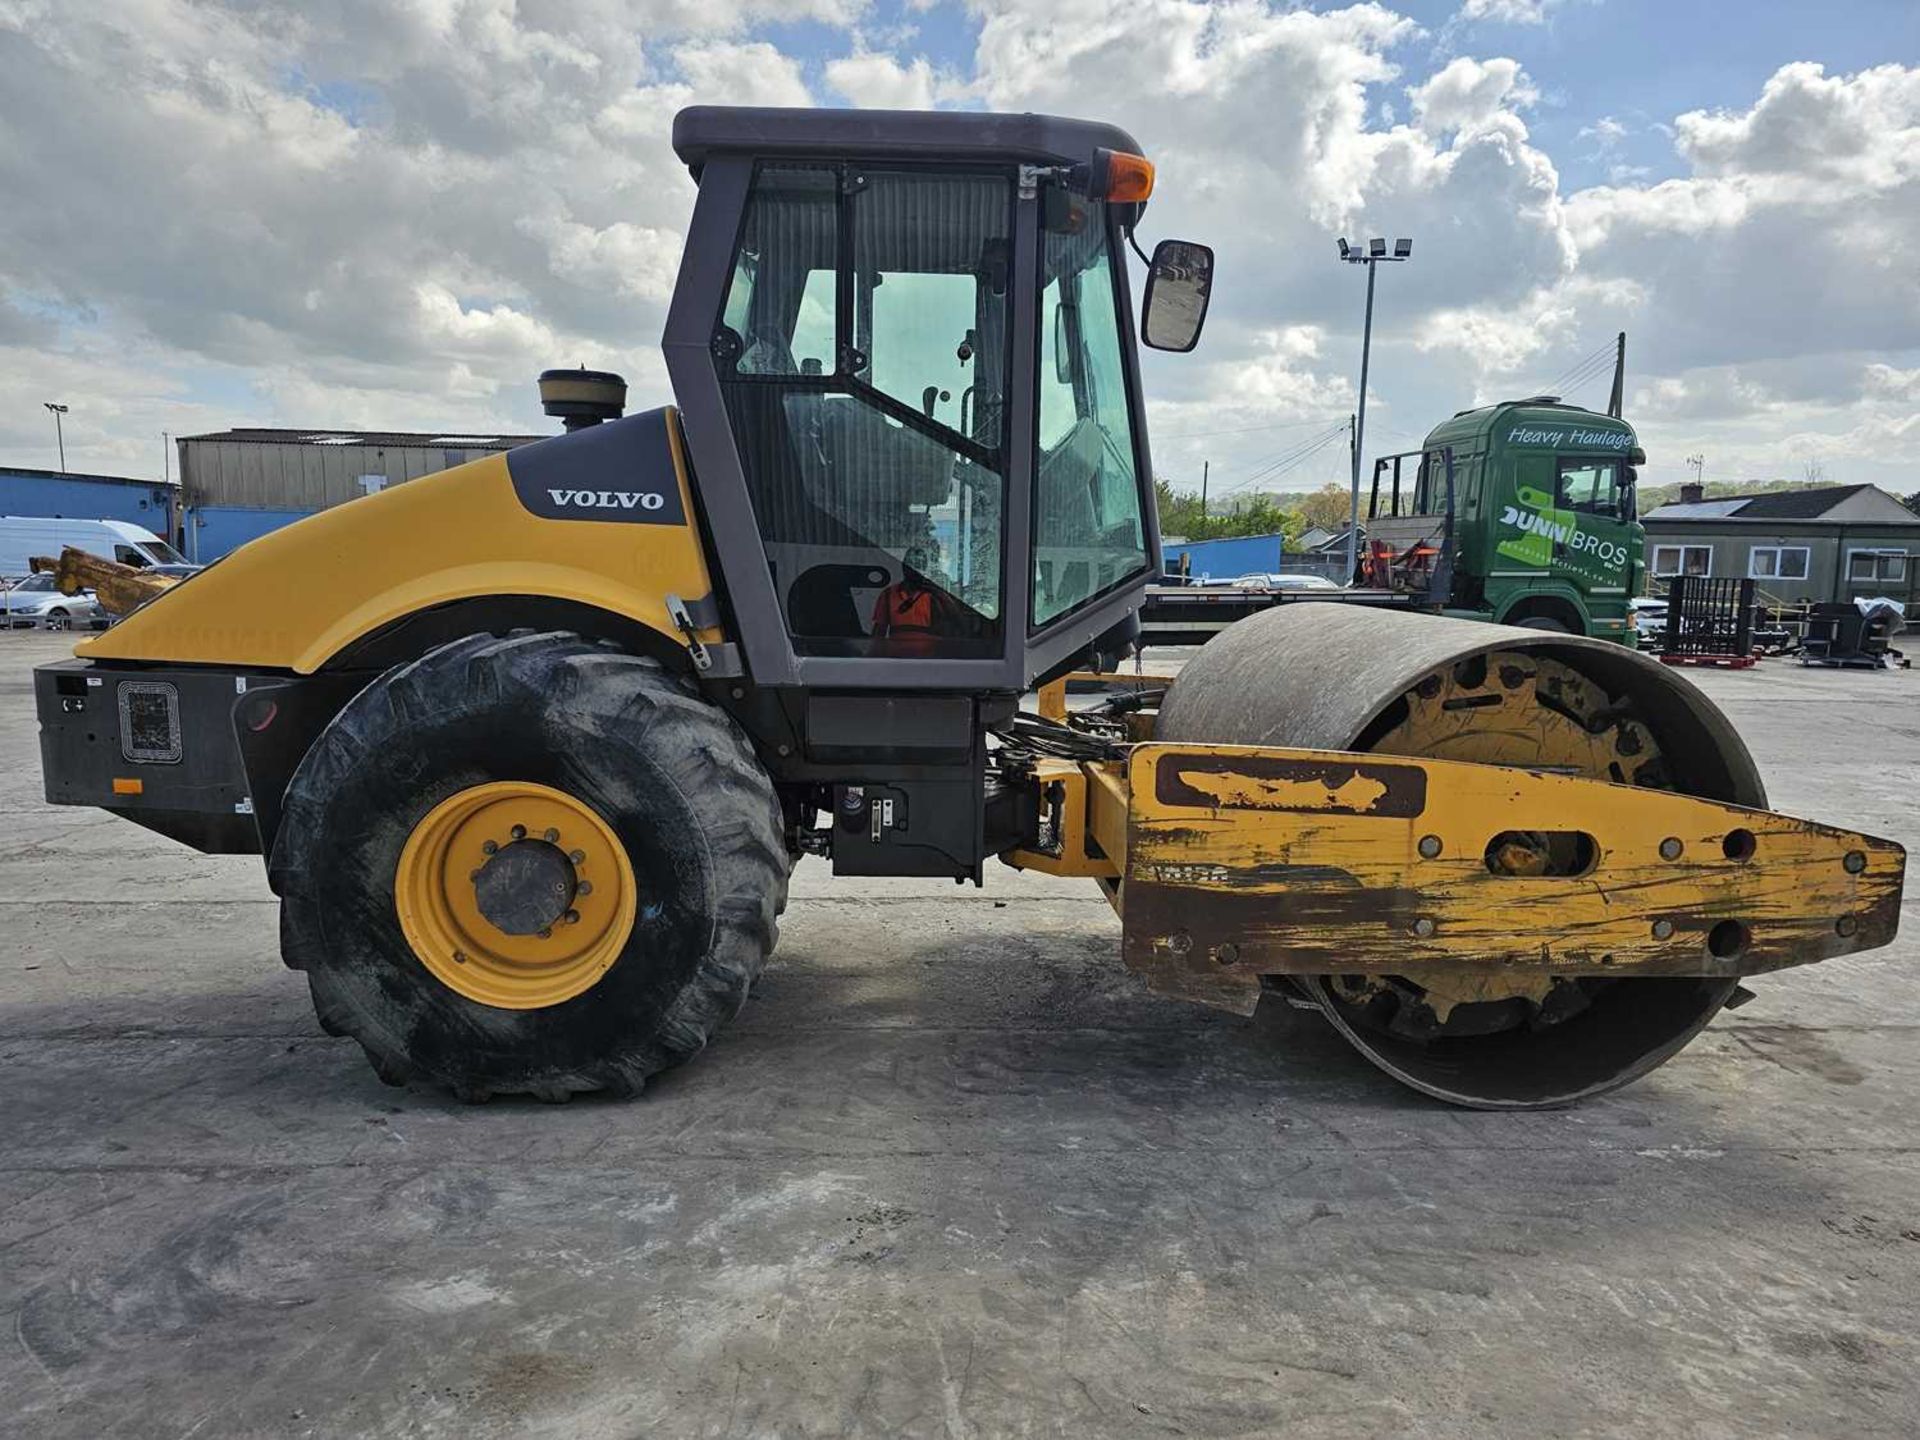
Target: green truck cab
column 1521, row 512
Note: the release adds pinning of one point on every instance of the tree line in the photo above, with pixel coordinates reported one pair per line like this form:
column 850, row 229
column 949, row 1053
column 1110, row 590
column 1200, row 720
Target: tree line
column 1291, row 515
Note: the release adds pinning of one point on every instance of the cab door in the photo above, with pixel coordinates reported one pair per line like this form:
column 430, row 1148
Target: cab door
column 1594, row 497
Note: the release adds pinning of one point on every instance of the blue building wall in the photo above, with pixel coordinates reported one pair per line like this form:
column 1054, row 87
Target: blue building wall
column 214, row 530
column 1225, row 559
column 50, row 495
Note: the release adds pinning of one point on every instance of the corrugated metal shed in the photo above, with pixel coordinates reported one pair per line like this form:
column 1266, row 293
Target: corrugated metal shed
column 314, row 469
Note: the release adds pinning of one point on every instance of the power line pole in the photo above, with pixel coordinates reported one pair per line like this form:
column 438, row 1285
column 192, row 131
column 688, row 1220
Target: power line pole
column 1374, row 255
column 1206, row 467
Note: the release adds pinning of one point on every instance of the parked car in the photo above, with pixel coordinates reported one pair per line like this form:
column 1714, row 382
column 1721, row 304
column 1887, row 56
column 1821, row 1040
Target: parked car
column 35, row 602
column 1649, row 617
column 1286, row 582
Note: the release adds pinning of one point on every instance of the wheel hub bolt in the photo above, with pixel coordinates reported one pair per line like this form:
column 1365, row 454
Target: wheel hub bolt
column 519, row 832
column 585, row 887
column 551, row 835
column 546, row 932
column 573, row 917
column 489, row 847
column 578, row 857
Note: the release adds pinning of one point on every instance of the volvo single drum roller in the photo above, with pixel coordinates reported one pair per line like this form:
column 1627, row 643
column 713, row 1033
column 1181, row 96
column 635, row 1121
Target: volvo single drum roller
column 530, row 745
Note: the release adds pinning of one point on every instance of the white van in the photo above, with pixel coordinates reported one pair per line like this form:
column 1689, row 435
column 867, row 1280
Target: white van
column 23, row 536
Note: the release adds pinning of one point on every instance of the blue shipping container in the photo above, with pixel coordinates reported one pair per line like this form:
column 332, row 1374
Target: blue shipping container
column 1227, row 559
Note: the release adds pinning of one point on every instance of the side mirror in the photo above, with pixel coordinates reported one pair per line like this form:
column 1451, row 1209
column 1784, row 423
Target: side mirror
column 1179, row 284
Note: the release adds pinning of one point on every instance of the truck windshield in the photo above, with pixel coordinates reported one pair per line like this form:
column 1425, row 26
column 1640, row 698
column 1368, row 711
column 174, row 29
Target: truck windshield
column 1590, row 486
column 1088, row 534
column 862, row 350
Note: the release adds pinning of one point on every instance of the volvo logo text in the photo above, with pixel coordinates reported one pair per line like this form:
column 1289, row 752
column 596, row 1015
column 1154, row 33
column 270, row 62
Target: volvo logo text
column 609, row 499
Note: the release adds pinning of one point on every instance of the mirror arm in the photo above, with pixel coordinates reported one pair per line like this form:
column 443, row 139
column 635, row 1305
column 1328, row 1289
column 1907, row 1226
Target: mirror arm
column 1144, row 260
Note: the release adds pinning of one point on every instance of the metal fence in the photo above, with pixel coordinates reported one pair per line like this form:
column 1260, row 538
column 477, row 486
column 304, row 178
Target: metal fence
column 1708, row 616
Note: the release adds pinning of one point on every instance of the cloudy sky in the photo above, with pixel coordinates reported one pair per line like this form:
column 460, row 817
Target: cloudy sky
column 337, row 213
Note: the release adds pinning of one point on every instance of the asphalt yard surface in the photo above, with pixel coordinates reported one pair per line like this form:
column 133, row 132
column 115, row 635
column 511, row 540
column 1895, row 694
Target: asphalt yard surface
column 953, row 1172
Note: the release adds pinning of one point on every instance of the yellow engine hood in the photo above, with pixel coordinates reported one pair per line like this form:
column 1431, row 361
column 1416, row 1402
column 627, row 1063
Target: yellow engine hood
column 613, row 529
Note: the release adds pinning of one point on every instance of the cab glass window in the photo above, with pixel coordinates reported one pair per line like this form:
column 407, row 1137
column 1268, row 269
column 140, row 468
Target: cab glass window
column 1430, row 493
column 1589, row 487
column 1087, row 526
column 862, row 350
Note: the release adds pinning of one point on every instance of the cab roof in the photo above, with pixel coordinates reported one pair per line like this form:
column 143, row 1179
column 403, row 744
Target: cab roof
column 703, row 131
column 1503, row 415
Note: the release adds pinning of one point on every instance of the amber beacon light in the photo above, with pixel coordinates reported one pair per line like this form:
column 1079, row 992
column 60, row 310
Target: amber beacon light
column 1122, row 178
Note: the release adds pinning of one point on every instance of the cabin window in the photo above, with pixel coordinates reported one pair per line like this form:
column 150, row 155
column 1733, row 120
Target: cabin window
column 1430, row 489
column 1871, row 567
column 862, row 352
column 1088, row 534
column 1671, row 560
column 1777, row 562
column 1589, row 487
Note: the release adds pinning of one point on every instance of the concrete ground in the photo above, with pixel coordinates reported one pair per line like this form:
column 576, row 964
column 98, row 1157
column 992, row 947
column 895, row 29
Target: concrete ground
column 952, row 1173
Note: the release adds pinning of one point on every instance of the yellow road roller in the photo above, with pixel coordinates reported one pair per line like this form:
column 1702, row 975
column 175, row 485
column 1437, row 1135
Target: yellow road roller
column 531, row 745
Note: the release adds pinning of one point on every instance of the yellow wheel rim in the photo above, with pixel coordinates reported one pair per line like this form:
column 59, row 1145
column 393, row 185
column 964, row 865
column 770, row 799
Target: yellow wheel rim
column 450, row 873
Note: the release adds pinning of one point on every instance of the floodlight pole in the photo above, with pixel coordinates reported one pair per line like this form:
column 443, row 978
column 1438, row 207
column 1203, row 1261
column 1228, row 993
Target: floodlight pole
column 1370, row 256
column 59, row 435
column 1359, row 434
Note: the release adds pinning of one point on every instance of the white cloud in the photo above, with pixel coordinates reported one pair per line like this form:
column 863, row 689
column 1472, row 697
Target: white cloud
column 875, row 80
column 357, row 211
column 1506, row 12
column 326, row 202
column 1810, row 128
column 1468, row 94
column 1795, row 232
column 1888, row 383
column 741, row 74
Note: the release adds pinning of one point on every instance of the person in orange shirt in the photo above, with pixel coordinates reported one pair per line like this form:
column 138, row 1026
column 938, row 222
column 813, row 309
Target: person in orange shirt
column 911, row 611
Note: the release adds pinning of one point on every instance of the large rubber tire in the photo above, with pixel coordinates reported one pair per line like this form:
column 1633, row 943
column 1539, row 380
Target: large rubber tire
column 671, row 775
